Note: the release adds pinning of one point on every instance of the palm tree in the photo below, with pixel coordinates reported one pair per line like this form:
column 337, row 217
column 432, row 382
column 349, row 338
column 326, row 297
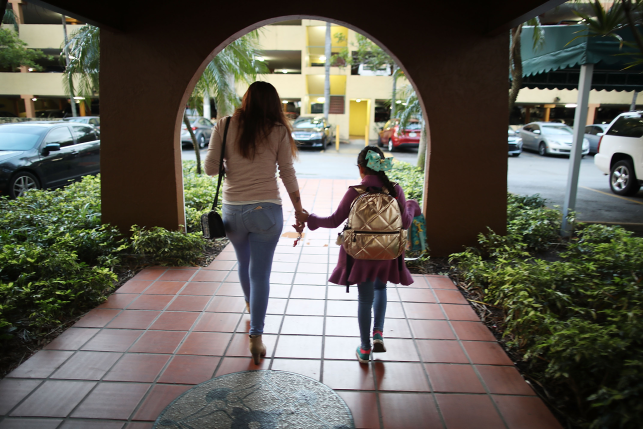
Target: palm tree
column 371, row 55
column 236, row 62
column 411, row 108
column 515, row 58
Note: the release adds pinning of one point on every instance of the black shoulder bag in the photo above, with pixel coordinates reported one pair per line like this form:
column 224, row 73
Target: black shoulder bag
column 211, row 222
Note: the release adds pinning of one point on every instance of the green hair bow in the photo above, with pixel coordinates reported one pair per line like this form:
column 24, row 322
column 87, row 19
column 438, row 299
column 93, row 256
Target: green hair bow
column 376, row 163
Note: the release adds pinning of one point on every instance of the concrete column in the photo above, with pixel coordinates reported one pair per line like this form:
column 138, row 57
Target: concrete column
column 591, row 112
column 16, row 5
column 30, row 107
column 81, row 105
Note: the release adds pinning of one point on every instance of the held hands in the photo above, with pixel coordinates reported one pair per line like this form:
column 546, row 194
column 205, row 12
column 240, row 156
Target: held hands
column 302, row 217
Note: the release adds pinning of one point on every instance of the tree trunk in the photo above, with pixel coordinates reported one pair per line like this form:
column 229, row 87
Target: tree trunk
column 515, row 66
column 327, row 53
column 197, row 151
column 393, row 105
column 72, row 101
column 422, row 149
column 207, row 112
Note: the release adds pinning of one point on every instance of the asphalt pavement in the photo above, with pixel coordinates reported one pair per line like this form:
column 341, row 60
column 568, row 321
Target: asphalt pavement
column 527, row 174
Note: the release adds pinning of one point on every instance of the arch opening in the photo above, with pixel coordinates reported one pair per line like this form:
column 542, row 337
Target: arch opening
column 361, row 114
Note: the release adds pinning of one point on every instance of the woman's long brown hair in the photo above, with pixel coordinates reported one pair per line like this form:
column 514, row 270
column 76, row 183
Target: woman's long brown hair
column 260, row 112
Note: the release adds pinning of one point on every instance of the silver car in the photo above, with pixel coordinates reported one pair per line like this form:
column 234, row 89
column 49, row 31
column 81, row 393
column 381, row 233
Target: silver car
column 593, row 133
column 202, row 129
column 550, row 138
column 312, row 131
column 515, row 142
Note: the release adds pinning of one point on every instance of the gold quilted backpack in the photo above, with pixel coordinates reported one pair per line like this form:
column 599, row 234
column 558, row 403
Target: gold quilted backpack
column 374, row 226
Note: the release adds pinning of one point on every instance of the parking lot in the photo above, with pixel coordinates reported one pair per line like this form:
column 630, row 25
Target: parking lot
column 527, row 174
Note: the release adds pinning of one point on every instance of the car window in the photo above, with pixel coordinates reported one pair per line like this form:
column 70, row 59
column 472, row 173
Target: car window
column 20, row 137
column 61, row 136
column 84, row 134
column 413, row 126
column 590, row 130
column 208, row 122
column 627, row 126
column 557, row 130
column 308, row 123
column 94, row 122
column 527, row 128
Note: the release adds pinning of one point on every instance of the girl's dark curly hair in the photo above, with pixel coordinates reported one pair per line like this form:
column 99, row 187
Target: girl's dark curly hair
column 361, row 161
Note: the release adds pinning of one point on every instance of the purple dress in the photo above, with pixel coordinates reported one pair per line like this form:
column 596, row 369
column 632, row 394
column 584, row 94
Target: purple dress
column 363, row 270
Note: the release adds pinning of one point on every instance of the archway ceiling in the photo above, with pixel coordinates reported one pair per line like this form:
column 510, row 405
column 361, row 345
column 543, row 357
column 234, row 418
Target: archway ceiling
column 493, row 16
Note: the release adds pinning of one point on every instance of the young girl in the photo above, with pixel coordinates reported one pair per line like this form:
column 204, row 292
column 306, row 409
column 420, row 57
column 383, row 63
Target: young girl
column 369, row 275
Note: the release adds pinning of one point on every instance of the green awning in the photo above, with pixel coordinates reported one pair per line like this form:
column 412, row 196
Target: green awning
column 557, row 63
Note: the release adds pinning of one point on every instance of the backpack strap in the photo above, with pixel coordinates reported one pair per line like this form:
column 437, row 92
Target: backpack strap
column 349, row 267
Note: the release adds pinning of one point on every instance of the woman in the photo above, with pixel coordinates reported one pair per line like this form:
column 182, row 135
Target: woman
column 371, row 276
column 259, row 140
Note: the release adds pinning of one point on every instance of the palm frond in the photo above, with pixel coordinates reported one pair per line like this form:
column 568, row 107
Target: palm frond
column 81, row 74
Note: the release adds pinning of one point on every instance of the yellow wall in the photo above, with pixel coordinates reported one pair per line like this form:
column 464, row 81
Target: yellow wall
column 358, row 116
column 32, row 84
column 316, row 84
column 282, row 37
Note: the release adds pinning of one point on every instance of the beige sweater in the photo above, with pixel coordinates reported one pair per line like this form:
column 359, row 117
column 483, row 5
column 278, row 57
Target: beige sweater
column 255, row 180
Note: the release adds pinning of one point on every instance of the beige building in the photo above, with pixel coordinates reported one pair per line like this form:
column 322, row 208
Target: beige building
column 294, row 52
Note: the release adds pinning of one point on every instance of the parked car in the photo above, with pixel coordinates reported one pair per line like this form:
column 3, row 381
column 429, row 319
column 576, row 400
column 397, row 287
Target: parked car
column 593, row 134
column 620, row 153
column 91, row 120
column 391, row 136
column 202, row 129
column 550, row 138
column 515, row 142
column 312, row 131
column 35, row 155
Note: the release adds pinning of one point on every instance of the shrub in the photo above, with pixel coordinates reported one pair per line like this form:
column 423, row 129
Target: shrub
column 160, row 246
column 577, row 321
column 199, row 190
column 410, row 178
column 56, row 257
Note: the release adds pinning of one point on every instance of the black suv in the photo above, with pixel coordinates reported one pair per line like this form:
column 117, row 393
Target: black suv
column 35, row 155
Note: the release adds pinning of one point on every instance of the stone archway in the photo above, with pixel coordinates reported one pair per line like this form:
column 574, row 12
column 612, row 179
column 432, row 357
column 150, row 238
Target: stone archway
column 146, row 69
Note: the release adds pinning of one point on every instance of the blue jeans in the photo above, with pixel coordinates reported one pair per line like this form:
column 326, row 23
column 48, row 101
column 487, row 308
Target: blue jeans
column 372, row 294
column 254, row 231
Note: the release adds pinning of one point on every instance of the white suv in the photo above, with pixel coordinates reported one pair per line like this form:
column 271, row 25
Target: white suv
column 620, row 153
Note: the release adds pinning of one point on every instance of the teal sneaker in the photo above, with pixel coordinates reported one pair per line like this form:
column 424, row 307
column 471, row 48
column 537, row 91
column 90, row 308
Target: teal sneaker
column 363, row 356
column 378, row 342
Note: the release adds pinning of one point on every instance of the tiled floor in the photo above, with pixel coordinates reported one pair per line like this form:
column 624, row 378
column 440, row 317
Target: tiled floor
column 169, row 329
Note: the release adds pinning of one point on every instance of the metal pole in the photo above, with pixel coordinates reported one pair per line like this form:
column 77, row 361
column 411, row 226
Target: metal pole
column 580, row 120
column 71, row 87
column 633, row 105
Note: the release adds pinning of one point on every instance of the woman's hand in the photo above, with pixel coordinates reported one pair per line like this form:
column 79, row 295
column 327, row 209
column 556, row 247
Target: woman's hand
column 301, row 216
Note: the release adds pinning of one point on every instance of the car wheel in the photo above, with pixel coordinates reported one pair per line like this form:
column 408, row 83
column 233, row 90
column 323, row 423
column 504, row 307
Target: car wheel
column 379, row 141
column 542, row 149
column 623, row 180
column 391, row 148
column 201, row 141
column 21, row 183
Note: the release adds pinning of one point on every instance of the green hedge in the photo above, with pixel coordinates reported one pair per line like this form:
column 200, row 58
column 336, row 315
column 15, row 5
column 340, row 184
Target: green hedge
column 410, row 178
column 574, row 312
column 57, row 260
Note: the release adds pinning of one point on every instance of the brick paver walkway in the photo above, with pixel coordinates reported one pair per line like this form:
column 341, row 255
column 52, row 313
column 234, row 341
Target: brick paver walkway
column 169, row 329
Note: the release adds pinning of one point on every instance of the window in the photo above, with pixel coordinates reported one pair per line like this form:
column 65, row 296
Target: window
column 627, row 126
column 84, row 134
column 60, row 136
column 95, row 122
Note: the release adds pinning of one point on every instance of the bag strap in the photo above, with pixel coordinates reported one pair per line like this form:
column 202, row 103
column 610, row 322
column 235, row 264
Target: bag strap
column 221, row 170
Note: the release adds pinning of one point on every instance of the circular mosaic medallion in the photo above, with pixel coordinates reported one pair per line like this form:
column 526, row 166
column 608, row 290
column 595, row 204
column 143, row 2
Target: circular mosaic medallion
column 258, row 400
